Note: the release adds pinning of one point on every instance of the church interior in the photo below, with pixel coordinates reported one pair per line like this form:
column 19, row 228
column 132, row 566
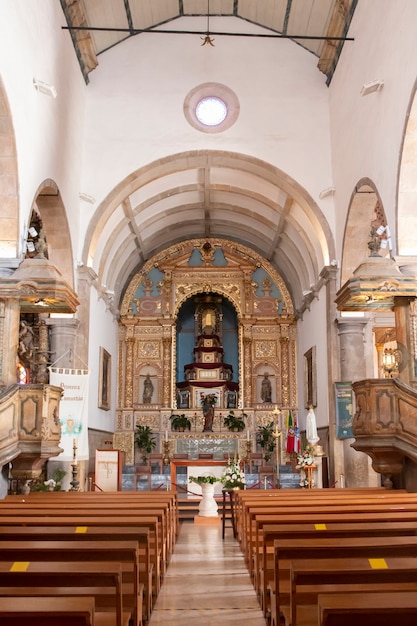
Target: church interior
column 299, row 246
column 208, row 245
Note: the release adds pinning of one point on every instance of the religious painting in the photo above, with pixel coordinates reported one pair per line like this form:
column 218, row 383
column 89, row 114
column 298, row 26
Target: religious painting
column 310, row 378
column 104, row 380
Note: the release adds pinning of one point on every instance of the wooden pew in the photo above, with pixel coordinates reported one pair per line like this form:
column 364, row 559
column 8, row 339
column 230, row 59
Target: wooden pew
column 65, row 509
column 352, row 574
column 83, row 576
column 90, row 534
column 125, row 552
column 83, row 519
column 170, row 497
column 275, row 535
column 324, row 516
column 50, row 611
column 289, row 552
column 367, row 609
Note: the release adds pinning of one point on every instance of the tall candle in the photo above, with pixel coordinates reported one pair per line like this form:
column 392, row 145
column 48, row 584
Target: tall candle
column 247, row 435
column 166, row 435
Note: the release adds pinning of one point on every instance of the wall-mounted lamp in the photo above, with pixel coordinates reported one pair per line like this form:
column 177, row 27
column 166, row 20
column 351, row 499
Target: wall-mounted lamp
column 390, row 361
column 45, row 88
column 330, row 191
column 374, row 85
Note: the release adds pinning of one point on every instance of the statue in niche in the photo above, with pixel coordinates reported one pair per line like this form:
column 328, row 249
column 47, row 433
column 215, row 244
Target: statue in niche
column 147, row 390
column 208, row 402
column 208, row 321
column 266, row 389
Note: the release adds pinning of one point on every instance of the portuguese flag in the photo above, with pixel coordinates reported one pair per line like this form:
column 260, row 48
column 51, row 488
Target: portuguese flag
column 290, row 433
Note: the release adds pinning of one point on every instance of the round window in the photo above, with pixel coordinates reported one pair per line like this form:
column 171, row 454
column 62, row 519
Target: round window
column 211, row 107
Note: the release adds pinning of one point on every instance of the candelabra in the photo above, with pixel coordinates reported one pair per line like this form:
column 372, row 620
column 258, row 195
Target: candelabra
column 166, row 459
column 277, row 435
column 75, row 485
column 248, row 450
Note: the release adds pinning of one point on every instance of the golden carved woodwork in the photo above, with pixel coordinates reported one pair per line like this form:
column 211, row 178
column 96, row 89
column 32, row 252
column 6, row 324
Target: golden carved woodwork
column 125, row 441
column 264, row 338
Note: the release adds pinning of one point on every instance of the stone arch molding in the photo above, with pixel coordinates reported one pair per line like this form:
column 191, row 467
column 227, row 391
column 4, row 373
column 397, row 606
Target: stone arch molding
column 224, row 194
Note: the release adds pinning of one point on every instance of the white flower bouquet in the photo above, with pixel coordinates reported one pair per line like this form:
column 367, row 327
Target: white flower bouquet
column 233, row 476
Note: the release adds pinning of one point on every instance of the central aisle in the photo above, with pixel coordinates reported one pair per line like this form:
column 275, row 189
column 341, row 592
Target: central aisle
column 207, row 582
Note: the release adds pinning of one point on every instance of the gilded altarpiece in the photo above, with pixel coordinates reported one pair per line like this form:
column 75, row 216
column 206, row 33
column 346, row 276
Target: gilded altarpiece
column 266, row 331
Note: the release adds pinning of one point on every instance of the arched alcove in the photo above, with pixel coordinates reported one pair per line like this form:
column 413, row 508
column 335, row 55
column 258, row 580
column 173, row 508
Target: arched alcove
column 365, row 212
column 49, row 205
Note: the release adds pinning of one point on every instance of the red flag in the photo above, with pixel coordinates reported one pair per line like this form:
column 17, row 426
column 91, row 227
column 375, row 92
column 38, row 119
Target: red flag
column 297, row 443
column 290, row 433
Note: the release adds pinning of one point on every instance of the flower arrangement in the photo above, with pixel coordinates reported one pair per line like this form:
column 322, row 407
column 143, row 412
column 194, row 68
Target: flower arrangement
column 204, row 480
column 233, row 476
column 305, row 457
column 208, row 399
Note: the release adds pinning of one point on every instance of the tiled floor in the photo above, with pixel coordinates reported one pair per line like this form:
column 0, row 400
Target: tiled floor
column 207, row 583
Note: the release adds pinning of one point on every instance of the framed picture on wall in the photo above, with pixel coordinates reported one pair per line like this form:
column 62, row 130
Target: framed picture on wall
column 310, row 378
column 104, row 380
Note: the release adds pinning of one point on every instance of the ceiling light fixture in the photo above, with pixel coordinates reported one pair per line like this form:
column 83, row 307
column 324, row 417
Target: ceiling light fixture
column 207, row 40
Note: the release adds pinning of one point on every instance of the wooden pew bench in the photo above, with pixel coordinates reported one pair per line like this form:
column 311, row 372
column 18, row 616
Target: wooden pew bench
column 367, row 609
column 83, row 519
column 325, row 517
column 359, row 574
column 289, row 552
column 84, row 578
column 281, row 534
column 126, row 512
column 50, row 611
column 124, row 552
column 92, row 535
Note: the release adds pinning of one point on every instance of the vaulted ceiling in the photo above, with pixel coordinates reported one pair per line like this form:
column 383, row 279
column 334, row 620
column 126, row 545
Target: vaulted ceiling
column 318, row 25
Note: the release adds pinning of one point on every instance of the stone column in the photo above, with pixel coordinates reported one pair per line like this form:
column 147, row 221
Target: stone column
column 354, row 356
column 62, row 339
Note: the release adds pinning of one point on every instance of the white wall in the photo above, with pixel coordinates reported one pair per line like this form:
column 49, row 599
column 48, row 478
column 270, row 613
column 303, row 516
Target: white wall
column 367, row 131
column 48, row 131
column 311, row 331
column 103, row 333
column 136, row 96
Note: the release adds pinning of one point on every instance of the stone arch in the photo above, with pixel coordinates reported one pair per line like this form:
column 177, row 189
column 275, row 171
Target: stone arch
column 407, row 184
column 49, row 204
column 9, row 196
column 365, row 209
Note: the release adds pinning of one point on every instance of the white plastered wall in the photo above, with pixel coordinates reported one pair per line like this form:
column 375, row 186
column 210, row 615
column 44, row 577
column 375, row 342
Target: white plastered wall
column 367, row 131
column 48, row 130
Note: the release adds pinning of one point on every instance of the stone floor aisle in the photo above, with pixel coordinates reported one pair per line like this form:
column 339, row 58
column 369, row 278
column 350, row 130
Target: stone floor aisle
column 207, row 582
